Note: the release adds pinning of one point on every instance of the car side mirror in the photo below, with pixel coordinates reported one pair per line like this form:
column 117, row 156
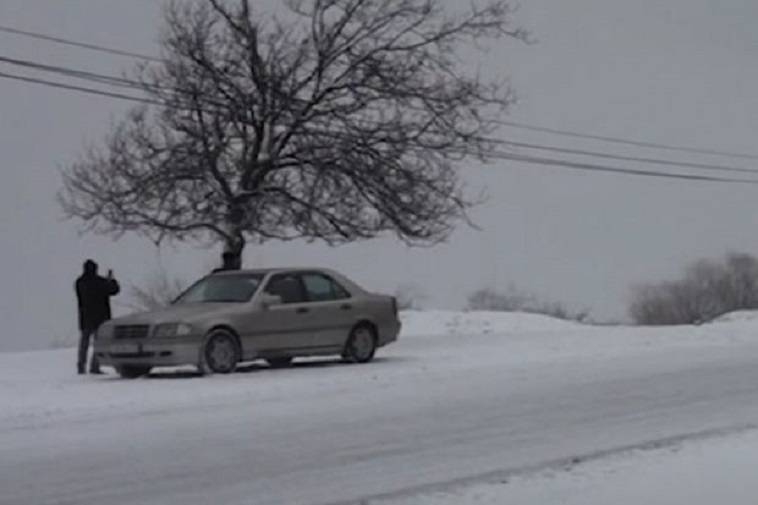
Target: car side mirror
column 268, row 301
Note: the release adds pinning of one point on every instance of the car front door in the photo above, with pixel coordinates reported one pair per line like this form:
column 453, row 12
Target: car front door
column 285, row 327
column 332, row 309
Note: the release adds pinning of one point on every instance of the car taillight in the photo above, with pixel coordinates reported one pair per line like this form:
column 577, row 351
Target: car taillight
column 394, row 306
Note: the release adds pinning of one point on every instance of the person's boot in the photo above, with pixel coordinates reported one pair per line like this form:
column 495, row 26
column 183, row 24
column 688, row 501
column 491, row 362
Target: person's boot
column 80, row 370
column 94, row 366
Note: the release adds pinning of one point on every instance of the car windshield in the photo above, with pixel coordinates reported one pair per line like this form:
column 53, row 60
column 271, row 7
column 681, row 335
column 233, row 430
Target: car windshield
column 238, row 288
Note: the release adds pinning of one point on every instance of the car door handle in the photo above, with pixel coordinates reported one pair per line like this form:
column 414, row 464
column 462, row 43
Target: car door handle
column 303, row 310
column 346, row 306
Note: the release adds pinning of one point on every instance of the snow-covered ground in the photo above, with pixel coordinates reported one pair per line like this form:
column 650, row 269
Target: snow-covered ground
column 718, row 469
column 462, row 398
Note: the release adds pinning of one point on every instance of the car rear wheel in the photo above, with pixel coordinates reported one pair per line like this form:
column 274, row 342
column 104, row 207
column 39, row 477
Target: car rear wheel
column 361, row 345
column 279, row 362
column 220, row 353
column 132, row 371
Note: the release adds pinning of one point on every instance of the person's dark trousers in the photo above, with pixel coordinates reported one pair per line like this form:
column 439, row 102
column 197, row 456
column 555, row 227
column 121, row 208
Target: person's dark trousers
column 84, row 340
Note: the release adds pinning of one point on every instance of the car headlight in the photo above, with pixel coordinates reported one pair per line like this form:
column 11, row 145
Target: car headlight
column 170, row 330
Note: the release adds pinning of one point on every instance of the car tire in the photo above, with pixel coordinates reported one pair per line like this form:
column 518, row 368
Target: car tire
column 220, row 353
column 361, row 344
column 133, row 371
column 283, row 362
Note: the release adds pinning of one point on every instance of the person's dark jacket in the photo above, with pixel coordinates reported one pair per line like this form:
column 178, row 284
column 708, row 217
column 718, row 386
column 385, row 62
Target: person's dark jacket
column 93, row 293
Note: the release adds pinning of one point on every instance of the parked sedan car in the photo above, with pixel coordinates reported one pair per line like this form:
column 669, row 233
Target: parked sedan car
column 236, row 316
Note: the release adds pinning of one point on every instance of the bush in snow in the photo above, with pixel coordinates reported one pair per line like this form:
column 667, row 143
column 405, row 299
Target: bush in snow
column 706, row 290
column 158, row 290
column 516, row 300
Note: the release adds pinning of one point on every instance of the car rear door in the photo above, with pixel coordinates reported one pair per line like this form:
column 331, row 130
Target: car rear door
column 332, row 309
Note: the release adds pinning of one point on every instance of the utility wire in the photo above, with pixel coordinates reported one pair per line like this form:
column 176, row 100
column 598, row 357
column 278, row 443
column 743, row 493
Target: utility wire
column 499, row 155
column 618, row 157
column 512, row 124
column 618, row 140
column 99, row 79
column 131, row 84
column 574, row 165
column 93, row 76
column 81, row 89
column 71, row 72
column 74, row 43
column 568, row 164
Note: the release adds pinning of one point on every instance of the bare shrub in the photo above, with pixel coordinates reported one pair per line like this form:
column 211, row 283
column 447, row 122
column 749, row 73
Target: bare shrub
column 158, row 290
column 516, row 300
column 706, row 290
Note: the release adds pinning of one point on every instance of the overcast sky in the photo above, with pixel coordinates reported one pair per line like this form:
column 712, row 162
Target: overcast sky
column 675, row 71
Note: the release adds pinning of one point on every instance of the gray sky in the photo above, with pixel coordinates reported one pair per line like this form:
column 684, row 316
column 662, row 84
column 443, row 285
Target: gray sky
column 677, row 71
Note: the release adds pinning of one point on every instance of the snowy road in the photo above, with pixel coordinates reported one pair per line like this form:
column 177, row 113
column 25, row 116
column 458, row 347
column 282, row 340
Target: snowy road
column 463, row 403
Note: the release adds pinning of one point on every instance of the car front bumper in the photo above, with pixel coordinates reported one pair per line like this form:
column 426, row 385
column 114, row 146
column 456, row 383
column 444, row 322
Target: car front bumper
column 148, row 352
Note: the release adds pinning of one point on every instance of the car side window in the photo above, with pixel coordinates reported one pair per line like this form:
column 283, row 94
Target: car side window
column 288, row 287
column 321, row 288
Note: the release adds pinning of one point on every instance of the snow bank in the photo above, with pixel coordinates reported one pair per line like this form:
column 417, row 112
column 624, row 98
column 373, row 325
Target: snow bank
column 441, row 322
column 740, row 316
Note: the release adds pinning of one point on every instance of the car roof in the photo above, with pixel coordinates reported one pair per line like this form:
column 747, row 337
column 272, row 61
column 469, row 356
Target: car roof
column 266, row 271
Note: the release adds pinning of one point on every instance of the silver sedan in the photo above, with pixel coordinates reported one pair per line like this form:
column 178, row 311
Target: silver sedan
column 237, row 316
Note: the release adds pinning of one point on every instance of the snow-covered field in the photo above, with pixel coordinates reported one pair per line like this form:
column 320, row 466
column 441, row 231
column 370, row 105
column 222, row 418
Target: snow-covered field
column 462, row 402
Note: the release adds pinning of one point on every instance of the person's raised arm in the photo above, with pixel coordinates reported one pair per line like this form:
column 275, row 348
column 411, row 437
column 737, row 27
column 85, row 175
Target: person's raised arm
column 113, row 287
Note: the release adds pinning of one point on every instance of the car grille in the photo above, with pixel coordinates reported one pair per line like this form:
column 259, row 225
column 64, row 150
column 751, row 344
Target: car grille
column 131, row 331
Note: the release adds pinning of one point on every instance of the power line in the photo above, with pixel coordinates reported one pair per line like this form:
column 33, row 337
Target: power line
column 131, row 84
column 71, row 72
column 573, row 165
column 96, row 78
column 618, row 157
column 74, row 43
column 81, row 89
column 618, row 140
column 513, row 124
column 505, row 156
column 86, row 75
column 111, row 80
column 499, row 155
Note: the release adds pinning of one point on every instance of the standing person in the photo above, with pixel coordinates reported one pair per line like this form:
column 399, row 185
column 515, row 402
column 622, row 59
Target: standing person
column 93, row 294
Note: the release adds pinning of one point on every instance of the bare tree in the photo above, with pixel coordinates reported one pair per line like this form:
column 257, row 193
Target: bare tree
column 340, row 121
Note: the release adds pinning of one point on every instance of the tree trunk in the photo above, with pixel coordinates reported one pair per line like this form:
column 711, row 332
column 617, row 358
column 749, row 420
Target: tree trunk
column 231, row 257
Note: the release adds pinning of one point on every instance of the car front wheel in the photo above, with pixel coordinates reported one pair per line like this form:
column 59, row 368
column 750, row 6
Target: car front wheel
column 220, row 354
column 361, row 345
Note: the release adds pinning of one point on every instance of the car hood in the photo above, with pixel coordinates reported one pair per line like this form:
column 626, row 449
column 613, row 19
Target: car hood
column 183, row 313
